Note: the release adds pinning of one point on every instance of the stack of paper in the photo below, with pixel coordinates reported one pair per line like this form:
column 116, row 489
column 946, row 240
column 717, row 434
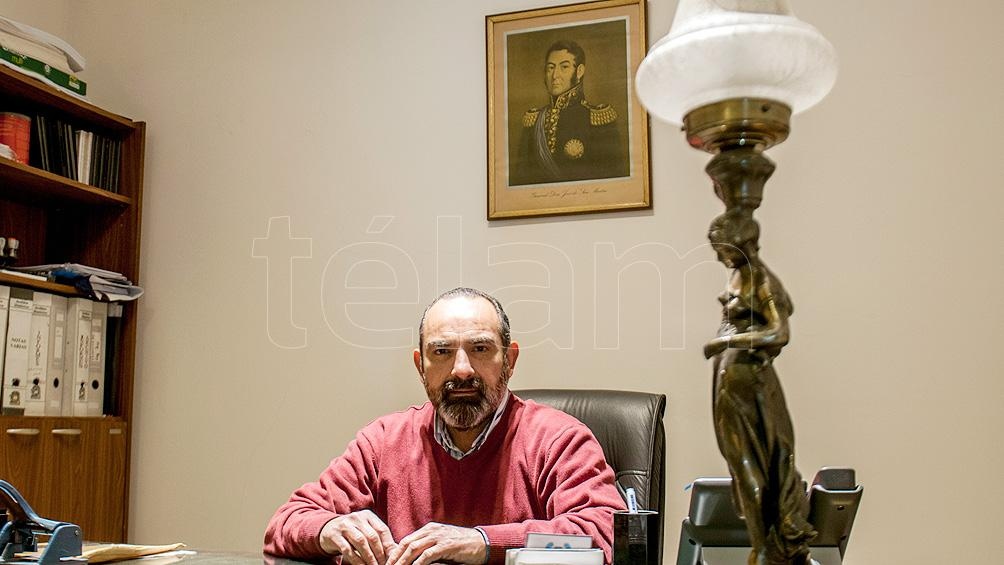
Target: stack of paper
column 104, row 553
column 555, row 549
column 40, row 54
column 101, row 284
column 528, row 556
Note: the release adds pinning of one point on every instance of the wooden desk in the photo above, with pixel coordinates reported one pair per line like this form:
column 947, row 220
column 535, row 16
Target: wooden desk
column 184, row 557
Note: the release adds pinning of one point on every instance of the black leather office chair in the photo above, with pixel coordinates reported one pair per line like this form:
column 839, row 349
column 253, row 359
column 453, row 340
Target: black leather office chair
column 629, row 427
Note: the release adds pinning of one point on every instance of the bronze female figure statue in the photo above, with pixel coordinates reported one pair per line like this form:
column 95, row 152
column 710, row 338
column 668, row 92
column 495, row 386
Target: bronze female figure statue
column 751, row 419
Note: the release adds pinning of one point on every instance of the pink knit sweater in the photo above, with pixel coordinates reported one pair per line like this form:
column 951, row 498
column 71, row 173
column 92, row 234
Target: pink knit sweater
column 540, row 470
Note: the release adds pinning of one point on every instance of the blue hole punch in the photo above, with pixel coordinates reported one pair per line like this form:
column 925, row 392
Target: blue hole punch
column 19, row 534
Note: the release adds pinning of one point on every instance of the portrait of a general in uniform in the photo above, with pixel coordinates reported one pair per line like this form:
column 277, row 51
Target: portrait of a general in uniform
column 566, row 134
column 567, row 102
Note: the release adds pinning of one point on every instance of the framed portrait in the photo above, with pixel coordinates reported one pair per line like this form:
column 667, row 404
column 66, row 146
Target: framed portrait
column 566, row 133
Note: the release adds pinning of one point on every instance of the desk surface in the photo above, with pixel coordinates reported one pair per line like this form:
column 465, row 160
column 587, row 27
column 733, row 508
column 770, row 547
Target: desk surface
column 197, row 557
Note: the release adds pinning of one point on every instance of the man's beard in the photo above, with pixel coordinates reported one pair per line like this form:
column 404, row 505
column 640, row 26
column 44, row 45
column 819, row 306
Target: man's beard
column 467, row 412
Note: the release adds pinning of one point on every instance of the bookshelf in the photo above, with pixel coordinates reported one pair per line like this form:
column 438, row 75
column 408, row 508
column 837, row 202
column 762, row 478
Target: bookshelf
column 74, row 469
column 23, row 182
column 44, row 286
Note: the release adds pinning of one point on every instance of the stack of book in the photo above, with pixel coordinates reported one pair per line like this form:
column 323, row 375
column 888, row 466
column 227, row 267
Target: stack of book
column 556, row 549
column 42, row 55
column 100, row 284
column 76, row 154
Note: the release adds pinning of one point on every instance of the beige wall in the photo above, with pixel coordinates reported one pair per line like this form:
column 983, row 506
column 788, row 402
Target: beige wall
column 882, row 221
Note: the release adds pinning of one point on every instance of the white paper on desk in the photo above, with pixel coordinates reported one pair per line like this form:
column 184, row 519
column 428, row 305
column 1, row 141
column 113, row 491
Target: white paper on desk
column 105, row 552
column 102, row 553
column 165, row 558
column 530, row 556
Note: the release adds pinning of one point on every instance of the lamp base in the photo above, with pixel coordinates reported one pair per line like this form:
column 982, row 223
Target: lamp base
column 740, row 556
column 751, row 419
column 738, row 122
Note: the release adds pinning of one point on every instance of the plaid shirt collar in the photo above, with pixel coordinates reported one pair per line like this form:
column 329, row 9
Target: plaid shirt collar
column 443, row 436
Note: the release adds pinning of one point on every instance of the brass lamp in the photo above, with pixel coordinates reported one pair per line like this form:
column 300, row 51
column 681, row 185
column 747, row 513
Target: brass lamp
column 732, row 72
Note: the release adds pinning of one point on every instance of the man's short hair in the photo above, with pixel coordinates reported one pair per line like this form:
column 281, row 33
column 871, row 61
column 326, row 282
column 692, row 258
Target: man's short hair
column 503, row 329
column 570, row 46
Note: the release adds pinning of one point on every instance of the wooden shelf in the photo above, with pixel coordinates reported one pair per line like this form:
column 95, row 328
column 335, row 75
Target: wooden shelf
column 61, row 420
column 23, row 88
column 45, row 286
column 28, row 184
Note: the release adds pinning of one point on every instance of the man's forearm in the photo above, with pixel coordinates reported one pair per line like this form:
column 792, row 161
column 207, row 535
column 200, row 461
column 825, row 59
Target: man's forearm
column 294, row 531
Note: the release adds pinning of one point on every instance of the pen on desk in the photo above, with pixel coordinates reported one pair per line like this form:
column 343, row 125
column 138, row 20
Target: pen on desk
column 632, row 501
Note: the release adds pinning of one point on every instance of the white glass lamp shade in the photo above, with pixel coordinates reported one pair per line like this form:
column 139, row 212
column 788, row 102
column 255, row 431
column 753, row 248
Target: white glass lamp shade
column 722, row 49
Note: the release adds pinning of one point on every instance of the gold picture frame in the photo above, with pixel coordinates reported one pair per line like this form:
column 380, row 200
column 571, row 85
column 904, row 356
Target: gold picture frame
column 566, row 133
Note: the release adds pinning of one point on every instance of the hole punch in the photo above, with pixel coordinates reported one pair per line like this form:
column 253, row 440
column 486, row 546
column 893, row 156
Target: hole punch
column 19, row 534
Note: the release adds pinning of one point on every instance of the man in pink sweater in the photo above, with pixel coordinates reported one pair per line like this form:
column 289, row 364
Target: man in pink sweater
column 461, row 478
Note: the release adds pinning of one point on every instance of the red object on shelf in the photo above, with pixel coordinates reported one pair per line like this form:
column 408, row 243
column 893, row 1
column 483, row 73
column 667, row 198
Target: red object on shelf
column 15, row 132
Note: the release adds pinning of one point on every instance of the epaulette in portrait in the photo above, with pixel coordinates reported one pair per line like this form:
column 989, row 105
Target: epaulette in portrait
column 530, row 117
column 601, row 114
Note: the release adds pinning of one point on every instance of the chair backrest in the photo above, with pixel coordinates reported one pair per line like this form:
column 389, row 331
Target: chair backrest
column 629, row 427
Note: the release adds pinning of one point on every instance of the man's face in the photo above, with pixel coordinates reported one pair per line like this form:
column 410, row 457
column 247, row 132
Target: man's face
column 561, row 72
column 463, row 366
